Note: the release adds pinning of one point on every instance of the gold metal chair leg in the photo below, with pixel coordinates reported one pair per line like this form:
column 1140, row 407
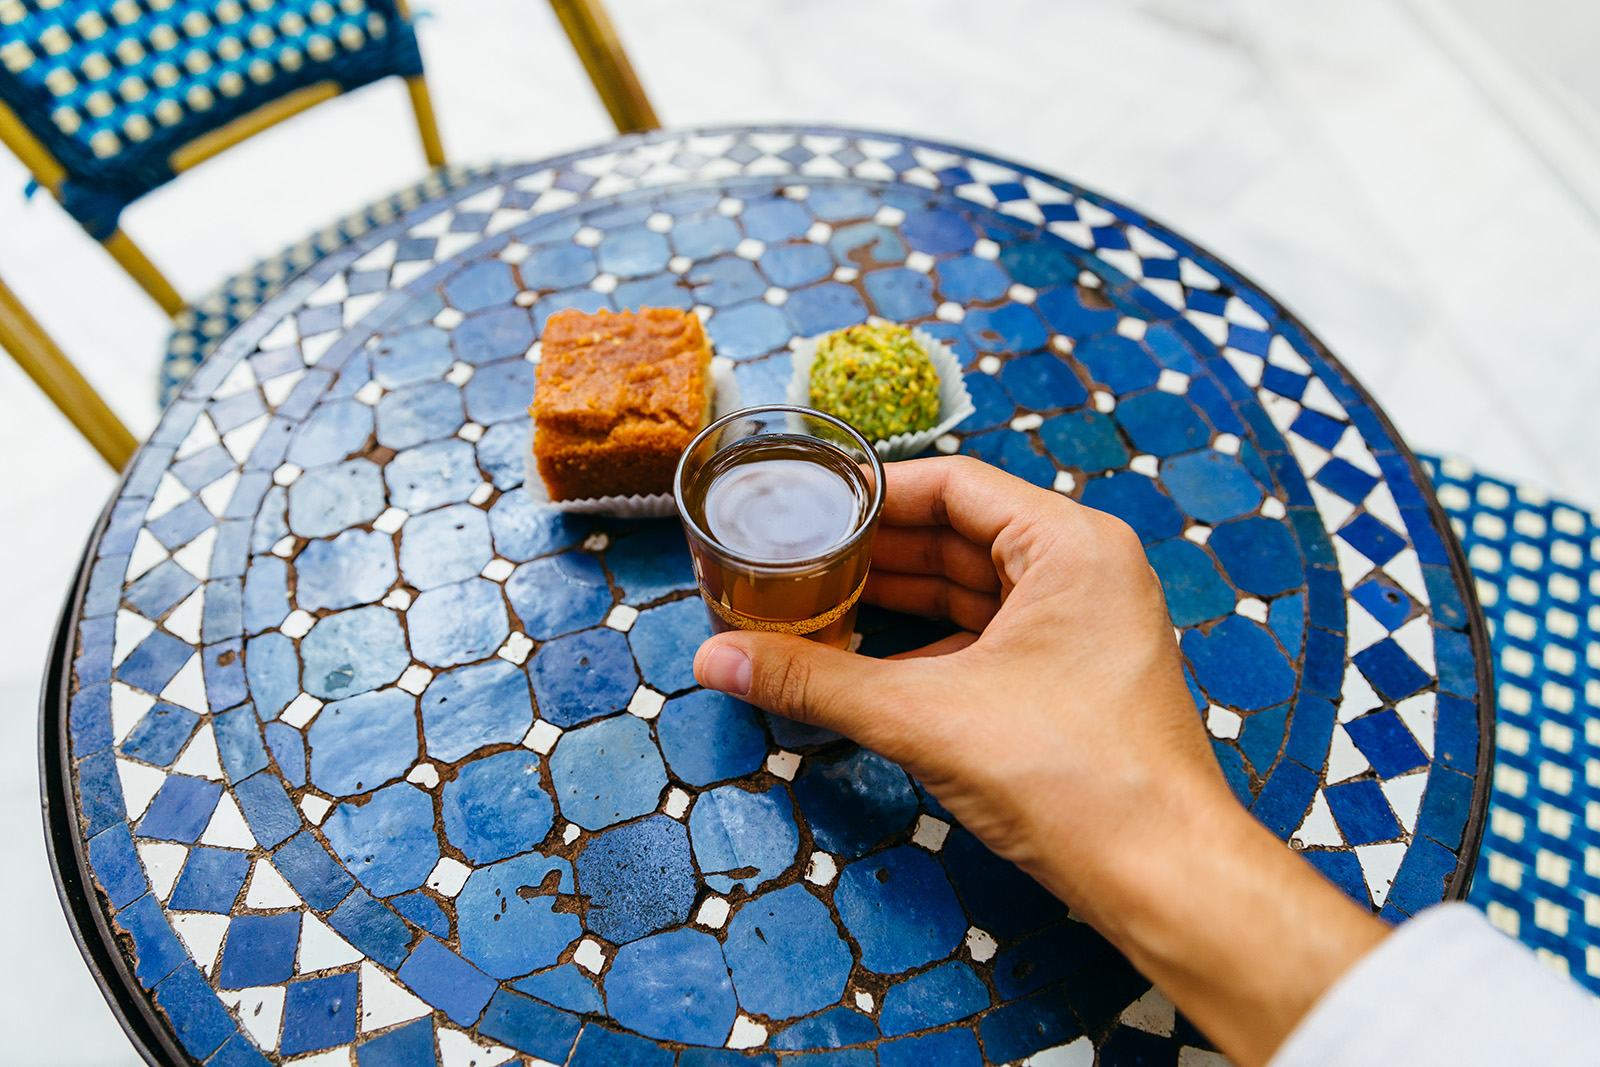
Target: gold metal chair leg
column 427, row 126
column 137, row 264
column 50, row 369
column 594, row 39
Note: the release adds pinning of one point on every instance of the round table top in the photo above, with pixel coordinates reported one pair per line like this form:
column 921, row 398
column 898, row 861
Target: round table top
column 350, row 745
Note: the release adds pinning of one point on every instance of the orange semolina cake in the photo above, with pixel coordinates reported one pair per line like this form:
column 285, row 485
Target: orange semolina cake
column 619, row 396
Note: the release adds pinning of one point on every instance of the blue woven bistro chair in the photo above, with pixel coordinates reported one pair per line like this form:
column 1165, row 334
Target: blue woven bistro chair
column 105, row 100
column 1536, row 562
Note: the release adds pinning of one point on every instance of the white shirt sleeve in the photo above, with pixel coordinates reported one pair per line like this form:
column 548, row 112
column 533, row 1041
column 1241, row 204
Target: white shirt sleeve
column 1447, row 990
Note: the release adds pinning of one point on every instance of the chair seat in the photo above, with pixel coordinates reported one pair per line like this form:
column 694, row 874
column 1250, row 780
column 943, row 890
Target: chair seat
column 1538, row 579
column 200, row 327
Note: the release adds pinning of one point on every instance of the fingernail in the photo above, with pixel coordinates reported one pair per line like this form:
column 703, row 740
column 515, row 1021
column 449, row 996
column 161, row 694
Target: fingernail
column 728, row 670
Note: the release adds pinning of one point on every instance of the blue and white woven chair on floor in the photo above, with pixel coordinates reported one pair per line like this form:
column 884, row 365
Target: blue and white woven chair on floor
column 105, row 100
column 1537, row 565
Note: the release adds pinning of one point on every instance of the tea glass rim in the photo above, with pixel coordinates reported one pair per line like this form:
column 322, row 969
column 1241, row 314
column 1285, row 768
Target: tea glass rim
column 868, row 521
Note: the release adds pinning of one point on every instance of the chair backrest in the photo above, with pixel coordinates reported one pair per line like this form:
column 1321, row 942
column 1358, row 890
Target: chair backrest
column 124, row 94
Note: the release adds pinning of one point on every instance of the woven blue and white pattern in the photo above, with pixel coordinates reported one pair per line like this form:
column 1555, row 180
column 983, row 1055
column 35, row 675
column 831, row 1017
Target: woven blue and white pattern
column 112, row 89
column 1538, row 873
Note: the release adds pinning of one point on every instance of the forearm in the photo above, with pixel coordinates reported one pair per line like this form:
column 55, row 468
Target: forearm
column 1238, row 931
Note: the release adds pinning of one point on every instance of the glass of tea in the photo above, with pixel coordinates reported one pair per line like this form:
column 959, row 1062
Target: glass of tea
column 780, row 505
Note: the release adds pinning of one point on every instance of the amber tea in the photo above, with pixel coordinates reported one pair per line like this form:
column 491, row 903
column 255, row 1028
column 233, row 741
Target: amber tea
column 780, row 505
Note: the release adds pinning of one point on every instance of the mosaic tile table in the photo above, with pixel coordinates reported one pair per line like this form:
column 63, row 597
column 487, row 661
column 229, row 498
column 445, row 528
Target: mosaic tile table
column 356, row 756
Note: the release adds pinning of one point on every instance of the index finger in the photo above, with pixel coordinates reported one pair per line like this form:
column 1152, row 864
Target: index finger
column 966, row 494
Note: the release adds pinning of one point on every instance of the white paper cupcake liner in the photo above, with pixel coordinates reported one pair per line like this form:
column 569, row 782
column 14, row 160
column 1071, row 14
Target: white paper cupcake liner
column 955, row 403
column 638, row 506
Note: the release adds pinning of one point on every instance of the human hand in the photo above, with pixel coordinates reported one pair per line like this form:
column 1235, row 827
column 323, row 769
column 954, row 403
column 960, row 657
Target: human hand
column 1059, row 730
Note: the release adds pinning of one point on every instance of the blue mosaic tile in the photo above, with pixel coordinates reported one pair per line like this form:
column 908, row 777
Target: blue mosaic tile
column 506, row 918
column 425, row 912
column 630, row 253
column 1086, row 440
column 415, row 355
column 583, row 676
column 154, row 662
column 483, row 285
column 1194, row 589
column 566, row 986
column 651, row 564
column 447, row 981
column 899, row 907
column 708, row 737
column 1013, row 453
column 500, row 391
column 523, row 530
column 1162, row 424
column 458, row 623
column 198, row 1018
column 161, row 734
column 957, row 1048
column 607, row 772
column 1042, row 382
column 472, row 707
column 388, row 841
column 418, row 414
column 1239, row 664
column 558, row 266
column 795, row 265
column 268, row 811
column 1386, row 743
column 827, row 1030
column 726, row 281
column 423, row 478
column 1260, row 555
column 743, row 839
column 363, row 742
column 944, row 994
column 408, row 1046
column 266, row 594
column 855, row 802
column 116, row 865
column 496, row 807
column 559, row 594
column 330, row 434
column 1392, row 673
column 181, row 809
column 372, row 928
column 259, row 950
column 638, row 879
column 444, row 546
column 599, row 1047
column 356, row 567
column 1135, row 500
column 492, row 335
column 319, row 1013
column 1119, row 363
column 353, row 652
column 210, row 880
column 664, row 640
column 525, row 1024
column 937, row 232
column 160, row 589
column 712, row 235
column 327, row 501
column 825, row 307
column 673, row 986
column 1210, row 486
column 1362, row 812
column 785, row 955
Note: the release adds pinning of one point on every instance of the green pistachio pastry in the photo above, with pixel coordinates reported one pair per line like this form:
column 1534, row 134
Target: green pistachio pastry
column 878, row 379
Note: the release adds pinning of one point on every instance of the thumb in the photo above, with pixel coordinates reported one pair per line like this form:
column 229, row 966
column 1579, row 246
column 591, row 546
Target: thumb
column 799, row 679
